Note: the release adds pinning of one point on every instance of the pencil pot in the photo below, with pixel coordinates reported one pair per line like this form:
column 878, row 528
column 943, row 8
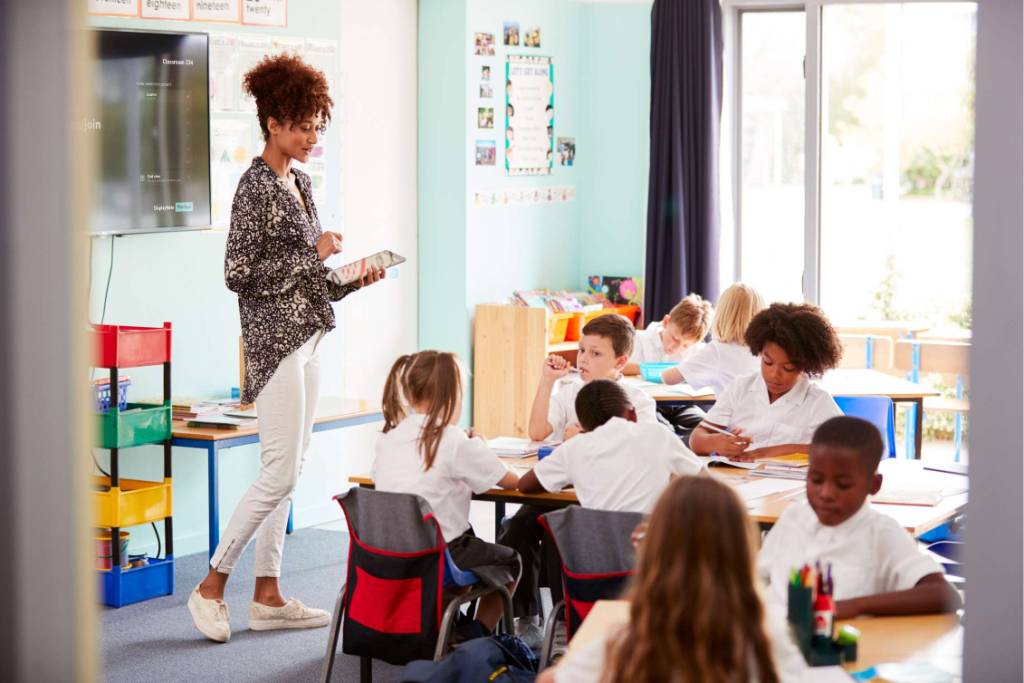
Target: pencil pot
column 800, row 614
column 104, row 552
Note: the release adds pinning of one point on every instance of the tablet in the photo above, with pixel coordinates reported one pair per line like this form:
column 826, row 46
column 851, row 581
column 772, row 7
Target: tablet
column 354, row 272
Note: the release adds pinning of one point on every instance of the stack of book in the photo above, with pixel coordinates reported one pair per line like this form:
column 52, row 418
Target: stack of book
column 513, row 447
column 790, row 466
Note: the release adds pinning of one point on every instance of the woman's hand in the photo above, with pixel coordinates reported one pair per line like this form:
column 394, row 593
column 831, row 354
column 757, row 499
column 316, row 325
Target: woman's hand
column 372, row 275
column 328, row 244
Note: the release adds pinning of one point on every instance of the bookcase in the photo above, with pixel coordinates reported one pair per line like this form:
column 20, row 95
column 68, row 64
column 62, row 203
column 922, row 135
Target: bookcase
column 510, row 344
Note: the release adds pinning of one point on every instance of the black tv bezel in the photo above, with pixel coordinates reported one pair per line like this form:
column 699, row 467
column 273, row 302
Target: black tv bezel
column 95, row 31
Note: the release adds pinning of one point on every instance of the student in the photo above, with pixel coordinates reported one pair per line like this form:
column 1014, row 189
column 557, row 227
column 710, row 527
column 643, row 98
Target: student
column 605, row 346
column 775, row 411
column 671, row 338
column 616, row 463
column 717, row 364
column 695, row 613
column 422, row 452
column 876, row 565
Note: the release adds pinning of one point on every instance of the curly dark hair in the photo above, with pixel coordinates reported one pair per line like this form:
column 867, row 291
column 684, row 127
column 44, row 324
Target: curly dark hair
column 803, row 332
column 288, row 89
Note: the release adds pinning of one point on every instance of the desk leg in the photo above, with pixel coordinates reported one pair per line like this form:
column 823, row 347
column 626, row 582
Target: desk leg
column 918, row 426
column 499, row 516
column 291, row 508
column 212, row 488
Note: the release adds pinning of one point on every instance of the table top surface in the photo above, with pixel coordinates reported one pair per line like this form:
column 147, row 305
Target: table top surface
column 328, row 409
column 935, row 638
column 897, row 475
column 839, row 382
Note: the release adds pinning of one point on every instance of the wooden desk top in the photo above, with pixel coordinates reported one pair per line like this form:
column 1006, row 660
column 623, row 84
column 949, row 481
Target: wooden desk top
column 897, row 475
column 839, row 382
column 329, row 409
column 935, row 638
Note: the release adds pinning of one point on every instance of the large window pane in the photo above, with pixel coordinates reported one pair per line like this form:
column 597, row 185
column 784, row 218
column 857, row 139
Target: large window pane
column 772, row 148
column 897, row 159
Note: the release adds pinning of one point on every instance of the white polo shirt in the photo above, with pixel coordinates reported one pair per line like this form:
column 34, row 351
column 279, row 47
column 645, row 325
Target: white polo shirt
column 562, row 408
column 717, row 364
column 791, row 419
column 647, row 347
column 870, row 553
column 621, row 465
column 463, row 466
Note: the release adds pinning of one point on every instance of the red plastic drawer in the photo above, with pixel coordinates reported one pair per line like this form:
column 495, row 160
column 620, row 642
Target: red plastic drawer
column 123, row 346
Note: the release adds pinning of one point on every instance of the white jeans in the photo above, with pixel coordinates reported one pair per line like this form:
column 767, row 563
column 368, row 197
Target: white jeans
column 284, row 411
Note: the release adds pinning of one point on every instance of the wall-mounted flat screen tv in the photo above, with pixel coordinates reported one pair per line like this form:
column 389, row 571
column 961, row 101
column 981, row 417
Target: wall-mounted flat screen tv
column 150, row 115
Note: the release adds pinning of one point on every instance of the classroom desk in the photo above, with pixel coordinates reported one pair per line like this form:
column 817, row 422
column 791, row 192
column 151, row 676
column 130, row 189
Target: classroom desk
column 935, row 638
column 896, row 475
column 839, row 382
column 331, row 413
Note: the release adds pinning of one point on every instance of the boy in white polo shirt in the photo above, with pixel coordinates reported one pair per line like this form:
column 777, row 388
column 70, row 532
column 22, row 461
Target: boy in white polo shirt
column 776, row 410
column 616, row 463
column 876, row 565
column 672, row 338
column 605, row 345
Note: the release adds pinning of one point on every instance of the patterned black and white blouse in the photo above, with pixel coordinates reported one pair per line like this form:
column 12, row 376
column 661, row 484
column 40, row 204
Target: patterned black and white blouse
column 271, row 263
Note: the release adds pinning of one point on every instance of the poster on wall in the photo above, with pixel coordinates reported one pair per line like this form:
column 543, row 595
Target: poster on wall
column 265, row 13
column 114, row 8
column 216, row 10
column 566, row 151
column 166, row 9
column 529, row 115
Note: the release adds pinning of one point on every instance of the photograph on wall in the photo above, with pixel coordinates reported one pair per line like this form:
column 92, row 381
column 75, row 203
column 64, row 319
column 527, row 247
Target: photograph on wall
column 486, row 91
column 485, row 117
column 485, row 152
column 511, row 33
column 532, row 37
column 529, row 115
column 566, row 151
column 483, row 44
column 485, row 72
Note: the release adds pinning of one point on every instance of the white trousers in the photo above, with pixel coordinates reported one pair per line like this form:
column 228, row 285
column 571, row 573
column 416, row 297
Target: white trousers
column 284, row 409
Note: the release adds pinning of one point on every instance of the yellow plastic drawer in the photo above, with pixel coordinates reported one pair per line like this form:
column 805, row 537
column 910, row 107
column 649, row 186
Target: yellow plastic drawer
column 134, row 502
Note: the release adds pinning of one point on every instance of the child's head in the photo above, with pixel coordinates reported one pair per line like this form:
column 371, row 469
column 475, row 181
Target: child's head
column 605, row 345
column 600, row 401
column 430, row 383
column 737, row 305
column 792, row 339
column 686, row 324
column 695, row 606
column 843, row 469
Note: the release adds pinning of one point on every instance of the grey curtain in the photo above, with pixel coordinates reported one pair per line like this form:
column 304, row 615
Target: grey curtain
column 686, row 103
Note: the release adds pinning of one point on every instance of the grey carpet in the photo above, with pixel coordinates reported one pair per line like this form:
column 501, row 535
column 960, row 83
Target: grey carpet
column 156, row 641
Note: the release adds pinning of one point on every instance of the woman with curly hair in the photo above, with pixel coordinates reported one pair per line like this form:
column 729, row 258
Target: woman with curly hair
column 776, row 410
column 274, row 262
column 695, row 613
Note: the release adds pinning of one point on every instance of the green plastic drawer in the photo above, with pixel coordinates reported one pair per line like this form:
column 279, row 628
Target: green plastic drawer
column 139, row 424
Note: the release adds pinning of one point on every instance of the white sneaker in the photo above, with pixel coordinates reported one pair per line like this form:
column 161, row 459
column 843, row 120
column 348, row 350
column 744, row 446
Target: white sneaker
column 292, row 615
column 210, row 617
column 531, row 634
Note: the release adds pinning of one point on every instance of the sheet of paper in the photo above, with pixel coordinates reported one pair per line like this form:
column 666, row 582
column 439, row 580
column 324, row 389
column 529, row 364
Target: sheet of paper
column 752, row 490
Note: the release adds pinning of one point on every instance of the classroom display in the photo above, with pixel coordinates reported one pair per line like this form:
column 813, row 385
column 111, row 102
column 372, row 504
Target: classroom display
column 529, row 115
column 150, row 117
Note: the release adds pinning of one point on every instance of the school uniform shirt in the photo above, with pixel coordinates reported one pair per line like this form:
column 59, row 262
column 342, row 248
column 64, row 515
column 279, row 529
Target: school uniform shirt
column 562, row 408
column 463, row 466
column 621, row 465
column 588, row 665
column 792, row 418
column 717, row 364
column 647, row 347
column 271, row 263
column 870, row 553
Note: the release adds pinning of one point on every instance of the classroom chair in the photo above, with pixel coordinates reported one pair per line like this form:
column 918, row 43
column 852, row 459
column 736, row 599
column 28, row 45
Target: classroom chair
column 950, row 359
column 391, row 603
column 878, row 410
column 597, row 559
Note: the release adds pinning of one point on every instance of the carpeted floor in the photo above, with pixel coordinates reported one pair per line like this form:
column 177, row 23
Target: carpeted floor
column 156, row 641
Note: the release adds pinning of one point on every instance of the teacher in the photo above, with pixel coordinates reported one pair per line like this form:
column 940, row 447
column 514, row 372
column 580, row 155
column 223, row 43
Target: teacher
column 274, row 262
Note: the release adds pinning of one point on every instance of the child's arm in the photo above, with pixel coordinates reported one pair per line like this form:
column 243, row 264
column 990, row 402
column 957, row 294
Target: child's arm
column 510, row 481
column 704, row 442
column 931, row 595
column 555, row 366
column 631, row 369
column 672, row 376
column 528, row 483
